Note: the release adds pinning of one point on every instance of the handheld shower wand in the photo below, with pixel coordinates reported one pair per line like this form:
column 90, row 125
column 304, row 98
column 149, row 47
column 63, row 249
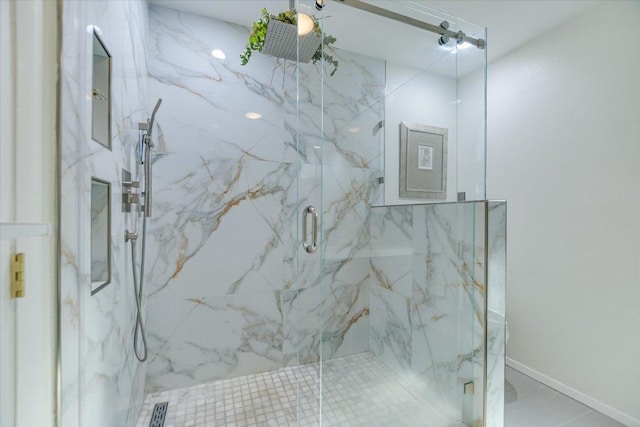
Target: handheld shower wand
column 147, row 160
column 153, row 115
column 147, row 128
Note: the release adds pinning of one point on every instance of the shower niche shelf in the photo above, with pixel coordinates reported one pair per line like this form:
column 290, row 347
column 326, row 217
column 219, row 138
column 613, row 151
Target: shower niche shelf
column 101, row 93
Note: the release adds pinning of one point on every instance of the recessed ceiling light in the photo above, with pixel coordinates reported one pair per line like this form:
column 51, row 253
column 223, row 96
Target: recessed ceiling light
column 354, row 130
column 305, row 24
column 253, row 116
column 217, row 53
column 92, row 28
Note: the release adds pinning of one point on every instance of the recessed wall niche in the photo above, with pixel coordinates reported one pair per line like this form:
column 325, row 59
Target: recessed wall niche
column 100, row 234
column 101, row 93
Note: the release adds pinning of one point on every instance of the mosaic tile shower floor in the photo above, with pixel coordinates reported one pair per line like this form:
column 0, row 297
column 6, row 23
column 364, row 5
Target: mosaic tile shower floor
column 358, row 390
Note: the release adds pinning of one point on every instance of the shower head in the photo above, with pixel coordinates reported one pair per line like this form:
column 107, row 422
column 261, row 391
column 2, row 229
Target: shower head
column 153, row 115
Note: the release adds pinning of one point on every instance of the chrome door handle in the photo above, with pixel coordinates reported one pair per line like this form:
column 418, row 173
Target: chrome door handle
column 310, row 248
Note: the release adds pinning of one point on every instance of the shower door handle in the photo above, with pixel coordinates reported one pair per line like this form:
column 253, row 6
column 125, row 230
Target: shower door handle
column 310, row 248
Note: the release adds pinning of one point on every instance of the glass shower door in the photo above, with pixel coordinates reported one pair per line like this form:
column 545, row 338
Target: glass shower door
column 399, row 285
column 302, row 309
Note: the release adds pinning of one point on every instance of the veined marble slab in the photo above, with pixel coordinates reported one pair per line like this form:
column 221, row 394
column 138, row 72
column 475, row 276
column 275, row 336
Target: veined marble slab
column 229, row 193
column 101, row 381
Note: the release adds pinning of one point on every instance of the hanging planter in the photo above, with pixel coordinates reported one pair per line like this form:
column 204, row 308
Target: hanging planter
column 277, row 35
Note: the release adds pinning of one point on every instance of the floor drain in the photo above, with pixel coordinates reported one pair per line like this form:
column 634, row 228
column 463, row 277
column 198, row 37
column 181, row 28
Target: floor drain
column 159, row 414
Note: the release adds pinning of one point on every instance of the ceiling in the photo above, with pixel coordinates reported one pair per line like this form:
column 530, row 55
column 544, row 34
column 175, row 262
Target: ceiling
column 509, row 23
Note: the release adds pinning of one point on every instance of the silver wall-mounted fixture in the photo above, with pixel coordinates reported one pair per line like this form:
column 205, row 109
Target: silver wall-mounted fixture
column 130, row 196
column 441, row 29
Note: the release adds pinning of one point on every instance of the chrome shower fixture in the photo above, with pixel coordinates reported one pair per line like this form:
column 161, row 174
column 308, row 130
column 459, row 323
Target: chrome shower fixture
column 443, row 40
column 443, row 29
column 460, row 36
column 146, row 145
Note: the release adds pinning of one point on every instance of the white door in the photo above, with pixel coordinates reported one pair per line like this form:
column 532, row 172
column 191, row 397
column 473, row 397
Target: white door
column 28, row 57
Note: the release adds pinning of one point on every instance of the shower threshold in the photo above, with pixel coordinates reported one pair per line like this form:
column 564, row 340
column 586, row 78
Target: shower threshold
column 358, row 390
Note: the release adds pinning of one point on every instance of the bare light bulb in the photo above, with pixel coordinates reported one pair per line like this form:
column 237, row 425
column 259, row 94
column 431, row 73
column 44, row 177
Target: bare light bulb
column 305, row 24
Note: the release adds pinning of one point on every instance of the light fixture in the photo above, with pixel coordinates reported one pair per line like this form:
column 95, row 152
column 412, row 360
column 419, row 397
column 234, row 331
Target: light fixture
column 218, row 54
column 253, row 116
column 354, row 130
column 305, row 24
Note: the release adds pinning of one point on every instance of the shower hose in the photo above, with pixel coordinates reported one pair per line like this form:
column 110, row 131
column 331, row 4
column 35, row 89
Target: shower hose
column 141, row 354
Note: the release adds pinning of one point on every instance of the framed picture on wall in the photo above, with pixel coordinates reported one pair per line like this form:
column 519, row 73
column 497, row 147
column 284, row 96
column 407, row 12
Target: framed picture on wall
column 423, row 161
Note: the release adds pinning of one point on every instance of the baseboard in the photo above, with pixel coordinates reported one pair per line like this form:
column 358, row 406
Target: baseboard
column 575, row 394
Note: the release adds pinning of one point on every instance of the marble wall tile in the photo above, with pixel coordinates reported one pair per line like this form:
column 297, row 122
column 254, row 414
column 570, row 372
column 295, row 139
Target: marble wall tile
column 394, row 273
column 391, row 231
column 434, row 351
column 230, row 192
column 496, row 321
column 218, row 93
column 442, row 249
column 332, row 319
column 219, row 337
column 201, row 202
column 403, row 282
column 101, row 381
column 390, row 334
column 345, row 207
column 352, row 106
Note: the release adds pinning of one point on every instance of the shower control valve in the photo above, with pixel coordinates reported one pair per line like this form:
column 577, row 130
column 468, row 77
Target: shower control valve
column 130, row 194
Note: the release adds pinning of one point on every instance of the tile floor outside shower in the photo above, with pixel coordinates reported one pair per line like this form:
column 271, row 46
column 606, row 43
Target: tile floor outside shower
column 360, row 391
column 529, row 403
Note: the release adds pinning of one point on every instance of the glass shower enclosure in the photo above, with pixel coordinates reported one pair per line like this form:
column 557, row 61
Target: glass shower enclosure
column 321, row 250
column 392, row 310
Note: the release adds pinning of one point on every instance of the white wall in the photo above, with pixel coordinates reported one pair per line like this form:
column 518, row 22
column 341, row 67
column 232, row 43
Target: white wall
column 564, row 150
column 413, row 96
column 27, row 195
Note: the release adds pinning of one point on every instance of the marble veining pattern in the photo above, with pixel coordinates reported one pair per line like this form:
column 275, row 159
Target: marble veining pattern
column 101, row 381
column 231, row 186
column 229, row 192
column 231, row 291
column 496, row 319
column 427, row 300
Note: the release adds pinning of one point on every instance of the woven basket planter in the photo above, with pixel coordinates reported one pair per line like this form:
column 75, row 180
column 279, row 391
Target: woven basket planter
column 282, row 41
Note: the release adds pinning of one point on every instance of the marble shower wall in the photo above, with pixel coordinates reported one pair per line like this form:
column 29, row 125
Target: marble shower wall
column 101, row 381
column 427, row 308
column 496, row 314
column 230, row 290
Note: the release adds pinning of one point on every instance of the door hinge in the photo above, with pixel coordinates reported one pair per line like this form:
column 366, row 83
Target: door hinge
column 17, row 276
